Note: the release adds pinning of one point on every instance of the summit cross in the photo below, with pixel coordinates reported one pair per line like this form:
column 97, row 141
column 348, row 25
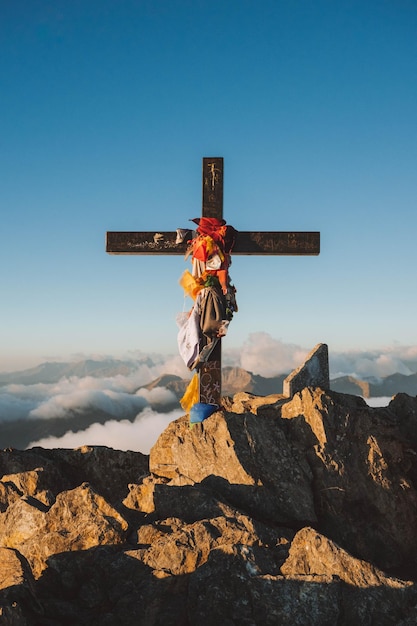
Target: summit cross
column 247, row 243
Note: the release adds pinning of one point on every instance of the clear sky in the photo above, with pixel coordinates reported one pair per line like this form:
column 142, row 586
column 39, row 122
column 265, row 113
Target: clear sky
column 106, row 110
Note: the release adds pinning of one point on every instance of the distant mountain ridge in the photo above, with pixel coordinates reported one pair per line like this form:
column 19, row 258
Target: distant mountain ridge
column 234, row 378
column 19, row 433
column 53, row 371
column 387, row 386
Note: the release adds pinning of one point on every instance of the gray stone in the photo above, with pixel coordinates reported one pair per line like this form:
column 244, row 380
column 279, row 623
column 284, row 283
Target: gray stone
column 314, row 372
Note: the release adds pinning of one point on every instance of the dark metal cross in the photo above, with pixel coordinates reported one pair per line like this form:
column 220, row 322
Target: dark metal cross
column 264, row 243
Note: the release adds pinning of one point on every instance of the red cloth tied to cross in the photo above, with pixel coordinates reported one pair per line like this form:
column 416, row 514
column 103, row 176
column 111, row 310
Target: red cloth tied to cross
column 222, row 233
column 212, row 247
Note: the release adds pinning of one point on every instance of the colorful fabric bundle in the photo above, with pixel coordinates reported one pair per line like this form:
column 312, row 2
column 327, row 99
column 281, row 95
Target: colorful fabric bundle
column 209, row 286
column 212, row 247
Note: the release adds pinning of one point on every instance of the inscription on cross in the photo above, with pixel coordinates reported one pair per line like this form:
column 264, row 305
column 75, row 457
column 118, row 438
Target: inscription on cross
column 247, row 243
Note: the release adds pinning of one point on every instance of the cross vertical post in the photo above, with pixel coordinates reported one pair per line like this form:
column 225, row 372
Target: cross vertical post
column 210, row 374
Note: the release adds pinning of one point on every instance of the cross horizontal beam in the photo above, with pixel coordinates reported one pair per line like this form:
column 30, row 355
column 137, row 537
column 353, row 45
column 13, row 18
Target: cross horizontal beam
column 259, row 243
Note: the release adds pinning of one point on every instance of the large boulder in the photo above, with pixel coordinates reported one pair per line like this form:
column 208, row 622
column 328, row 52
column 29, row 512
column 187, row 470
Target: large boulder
column 364, row 495
column 43, row 473
column 320, row 458
column 246, row 460
column 235, row 586
column 78, row 520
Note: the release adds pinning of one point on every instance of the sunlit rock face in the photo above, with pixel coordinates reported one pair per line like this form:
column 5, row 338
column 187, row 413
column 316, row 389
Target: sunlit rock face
column 274, row 510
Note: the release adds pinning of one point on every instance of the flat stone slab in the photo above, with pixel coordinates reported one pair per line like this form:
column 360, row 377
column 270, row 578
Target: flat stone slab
column 314, row 372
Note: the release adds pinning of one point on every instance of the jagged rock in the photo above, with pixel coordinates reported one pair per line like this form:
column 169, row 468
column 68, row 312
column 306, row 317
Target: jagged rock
column 272, row 511
column 31, row 484
column 233, row 588
column 8, row 494
column 172, row 551
column 314, row 372
column 94, row 464
column 43, row 473
column 312, row 554
column 174, row 554
column 405, row 408
column 49, row 474
column 78, row 520
column 140, row 497
column 364, row 497
column 251, row 464
column 17, row 593
column 190, row 502
column 244, row 402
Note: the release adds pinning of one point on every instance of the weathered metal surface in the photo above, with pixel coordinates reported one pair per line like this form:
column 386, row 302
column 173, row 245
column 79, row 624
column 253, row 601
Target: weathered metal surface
column 277, row 243
column 210, row 377
column 155, row 242
column 213, row 187
column 259, row 243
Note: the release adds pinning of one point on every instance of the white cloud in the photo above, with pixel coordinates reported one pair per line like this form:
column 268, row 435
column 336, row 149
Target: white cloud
column 377, row 363
column 157, row 395
column 111, row 402
column 262, row 354
column 116, row 395
column 176, row 366
column 138, row 436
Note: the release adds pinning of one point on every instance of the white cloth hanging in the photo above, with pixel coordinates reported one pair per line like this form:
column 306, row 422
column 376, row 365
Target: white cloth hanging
column 189, row 337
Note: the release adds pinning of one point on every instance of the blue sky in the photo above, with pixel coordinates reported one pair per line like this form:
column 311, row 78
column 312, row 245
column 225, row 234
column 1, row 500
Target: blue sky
column 107, row 109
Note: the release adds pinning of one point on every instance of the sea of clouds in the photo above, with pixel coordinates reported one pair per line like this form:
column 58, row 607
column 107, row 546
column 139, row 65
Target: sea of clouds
column 120, row 395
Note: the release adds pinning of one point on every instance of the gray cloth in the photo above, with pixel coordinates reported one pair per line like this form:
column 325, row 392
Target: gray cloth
column 211, row 305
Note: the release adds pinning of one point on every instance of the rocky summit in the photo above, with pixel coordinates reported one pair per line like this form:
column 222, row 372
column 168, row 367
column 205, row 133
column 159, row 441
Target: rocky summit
column 273, row 511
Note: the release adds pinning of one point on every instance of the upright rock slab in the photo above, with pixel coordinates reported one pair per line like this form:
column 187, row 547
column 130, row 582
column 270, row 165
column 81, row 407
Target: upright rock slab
column 314, row 372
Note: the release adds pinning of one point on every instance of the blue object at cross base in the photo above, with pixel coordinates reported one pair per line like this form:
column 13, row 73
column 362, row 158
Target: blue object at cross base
column 201, row 411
